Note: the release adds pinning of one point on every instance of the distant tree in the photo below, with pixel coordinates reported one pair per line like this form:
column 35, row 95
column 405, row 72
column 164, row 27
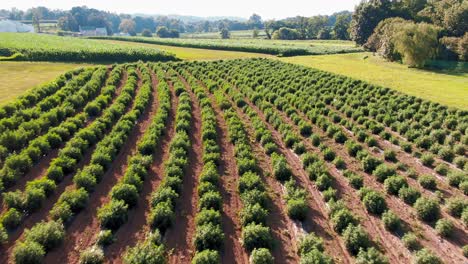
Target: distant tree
column 286, row 33
column 451, row 15
column 315, row 24
column 255, row 21
column 366, row 17
column 255, row 33
column 146, row 33
column 36, row 18
column 417, row 43
column 225, row 34
column 324, row 33
column 164, row 32
column 128, row 26
column 341, row 27
column 268, row 28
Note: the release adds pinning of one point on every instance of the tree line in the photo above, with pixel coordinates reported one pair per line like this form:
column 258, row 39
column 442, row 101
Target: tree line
column 412, row 31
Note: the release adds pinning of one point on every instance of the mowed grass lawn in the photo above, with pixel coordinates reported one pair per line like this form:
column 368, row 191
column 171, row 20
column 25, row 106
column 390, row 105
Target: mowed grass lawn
column 18, row 77
column 445, row 88
column 193, row 53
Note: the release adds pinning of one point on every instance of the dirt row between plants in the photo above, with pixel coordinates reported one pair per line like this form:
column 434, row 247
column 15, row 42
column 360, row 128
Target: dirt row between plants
column 406, row 159
column 179, row 238
column 233, row 251
column 450, row 249
column 82, row 230
column 137, row 227
column 35, row 217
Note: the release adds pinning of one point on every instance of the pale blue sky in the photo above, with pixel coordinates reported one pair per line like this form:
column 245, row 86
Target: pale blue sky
column 242, row 8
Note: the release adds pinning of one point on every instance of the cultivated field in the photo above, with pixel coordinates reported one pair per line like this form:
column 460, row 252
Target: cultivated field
column 272, row 47
column 448, row 87
column 229, row 161
column 235, row 34
column 35, row 47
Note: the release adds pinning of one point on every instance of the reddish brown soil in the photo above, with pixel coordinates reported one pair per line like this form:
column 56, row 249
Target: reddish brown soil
column 407, row 159
column 81, row 232
column 377, row 232
column 450, row 250
column 233, row 251
column 285, row 232
column 35, row 217
column 317, row 220
column 137, row 228
column 179, row 240
column 38, row 170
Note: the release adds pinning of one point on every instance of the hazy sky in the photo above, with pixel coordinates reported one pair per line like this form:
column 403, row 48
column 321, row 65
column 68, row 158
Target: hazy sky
column 242, row 8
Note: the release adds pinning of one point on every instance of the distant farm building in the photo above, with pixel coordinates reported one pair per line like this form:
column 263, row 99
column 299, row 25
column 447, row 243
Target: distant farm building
column 93, row 31
column 7, row 25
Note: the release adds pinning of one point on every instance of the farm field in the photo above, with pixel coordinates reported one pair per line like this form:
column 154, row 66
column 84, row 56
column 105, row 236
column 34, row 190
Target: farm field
column 272, row 47
column 18, row 77
column 36, row 47
column 235, row 34
column 193, row 53
column 229, row 161
column 448, row 88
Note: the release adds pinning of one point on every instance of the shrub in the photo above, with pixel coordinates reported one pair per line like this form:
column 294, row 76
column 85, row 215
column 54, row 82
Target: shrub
column 456, row 205
column 444, row 227
column 162, row 216
column 340, row 137
column 427, row 182
column 372, row 142
column 93, row 255
column 113, row 215
column 253, row 214
column 11, row 219
column 390, row 155
column 62, row 212
column 256, row 236
column 315, row 140
column 310, row 242
column 261, row 256
column 105, row 238
column 356, row 181
column 316, row 256
column 382, row 172
column 339, row 163
column 446, row 154
column 125, row 192
column 208, row 236
column 297, row 209
column 300, row 148
column 394, row 184
column 369, row 164
column 281, row 169
column 47, row 234
column 455, row 178
column 442, row 169
column 85, row 180
column 391, row 221
column 355, row 238
column 145, row 252
column 409, row 195
column 425, row 256
column 210, row 216
column 410, row 241
column 28, row 252
column 3, row 234
column 460, row 162
column 76, row 199
column 371, row 256
column 341, row 219
column 328, row 154
column 374, row 202
column 206, row 257
column 329, row 194
column 465, row 251
column 464, row 217
column 323, row 182
column 427, row 159
column 427, row 209
column 211, row 200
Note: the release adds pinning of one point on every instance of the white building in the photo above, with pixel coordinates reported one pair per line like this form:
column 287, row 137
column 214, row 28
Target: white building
column 7, row 25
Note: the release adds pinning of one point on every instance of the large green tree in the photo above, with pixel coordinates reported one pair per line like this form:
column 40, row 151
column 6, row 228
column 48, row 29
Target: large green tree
column 367, row 16
column 341, row 27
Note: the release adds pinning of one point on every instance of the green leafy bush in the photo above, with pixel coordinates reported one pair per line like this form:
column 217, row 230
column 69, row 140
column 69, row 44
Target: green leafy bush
column 256, row 236
column 371, row 255
column 28, row 252
column 428, row 182
column 374, row 202
column 206, row 257
column 409, row 195
column 355, row 238
column 410, row 241
column 93, row 255
column 208, row 236
column 394, row 184
column 47, row 234
column 456, row 205
column 444, row 227
column 427, row 209
column 113, row 214
column 391, row 221
column 425, row 256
